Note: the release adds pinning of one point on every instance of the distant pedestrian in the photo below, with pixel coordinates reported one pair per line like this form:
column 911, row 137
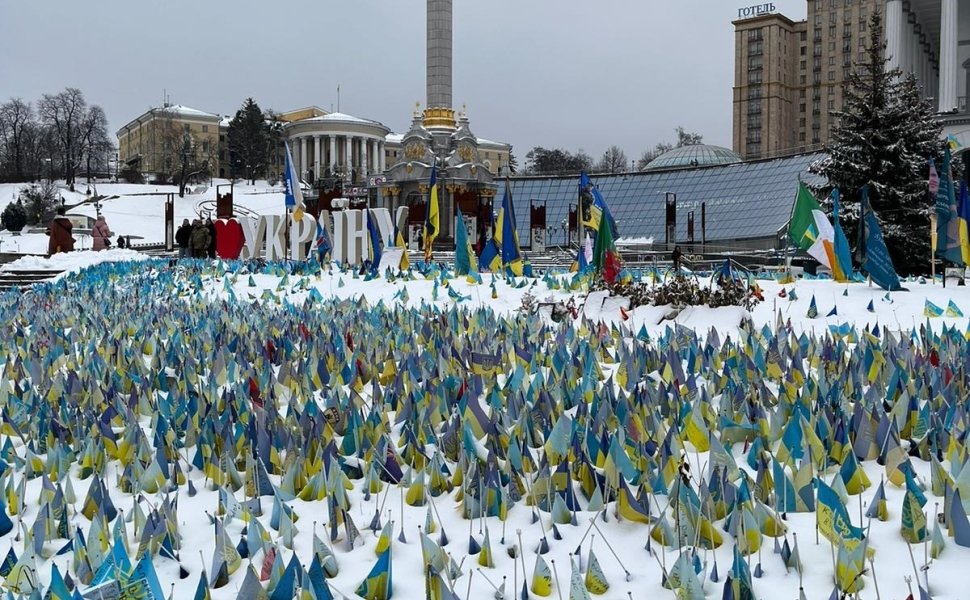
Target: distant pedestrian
column 199, row 241
column 100, row 234
column 212, row 237
column 676, row 256
column 122, row 243
column 60, row 232
column 182, row 237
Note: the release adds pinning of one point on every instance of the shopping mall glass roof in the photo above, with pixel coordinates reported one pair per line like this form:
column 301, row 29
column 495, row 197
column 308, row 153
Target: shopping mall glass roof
column 747, row 200
column 698, row 155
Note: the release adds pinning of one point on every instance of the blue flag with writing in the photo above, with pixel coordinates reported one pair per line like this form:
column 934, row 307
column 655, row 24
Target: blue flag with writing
column 877, row 263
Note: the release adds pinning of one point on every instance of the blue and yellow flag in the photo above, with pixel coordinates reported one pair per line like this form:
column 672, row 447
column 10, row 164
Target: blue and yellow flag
column 431, row 226
column 931, row 310
column 947, row 216
column 502, row 253
column 963, row 213
column 377, row 586
column 465, row 261
column 833, row 519
column 376, row 245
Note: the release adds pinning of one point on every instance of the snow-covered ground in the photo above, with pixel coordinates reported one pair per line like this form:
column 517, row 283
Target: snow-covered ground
column 138, row 210
column 140, row 310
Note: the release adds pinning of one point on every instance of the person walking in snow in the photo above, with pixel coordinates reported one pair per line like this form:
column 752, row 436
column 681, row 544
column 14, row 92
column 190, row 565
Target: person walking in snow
column 200, row 239
column 100, row 234
column 182, row 237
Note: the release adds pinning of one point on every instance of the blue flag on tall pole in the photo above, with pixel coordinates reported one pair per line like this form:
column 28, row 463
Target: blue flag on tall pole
column 841, row 244
column 291, row 182
column 322, row 244
column 947, row 217
column 874, row 253
column 375, row 242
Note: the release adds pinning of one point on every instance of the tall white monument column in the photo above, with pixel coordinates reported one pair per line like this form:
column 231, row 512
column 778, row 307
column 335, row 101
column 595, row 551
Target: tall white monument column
column 333, row 154
column 365, row 149
column 948, row 56
column 303, row 162
column 894, row 33
column 348, row 156
column 381, row 165
column 316, row 157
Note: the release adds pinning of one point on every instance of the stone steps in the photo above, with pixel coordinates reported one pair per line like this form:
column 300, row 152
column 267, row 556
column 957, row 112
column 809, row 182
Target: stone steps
column 21, row 279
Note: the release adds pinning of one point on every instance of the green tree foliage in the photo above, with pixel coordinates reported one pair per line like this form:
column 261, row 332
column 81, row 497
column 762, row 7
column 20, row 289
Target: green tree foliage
column 248, row 139
column 14, row 217
column 884, row 137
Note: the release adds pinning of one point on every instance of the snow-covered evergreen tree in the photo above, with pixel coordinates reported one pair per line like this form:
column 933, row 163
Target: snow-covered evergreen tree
column 884, row 137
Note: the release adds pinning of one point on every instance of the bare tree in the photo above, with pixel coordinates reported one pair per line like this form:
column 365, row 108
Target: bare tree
column 179, row 154
column 613, row 161
column 17, row 125
column 648, row 155
column 65, row 114
column 95, row 142
column 684, row 138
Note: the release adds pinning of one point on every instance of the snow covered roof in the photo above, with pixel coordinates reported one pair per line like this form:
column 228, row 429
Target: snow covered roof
column 342, row 117
column 394, row 138
column 187, row 111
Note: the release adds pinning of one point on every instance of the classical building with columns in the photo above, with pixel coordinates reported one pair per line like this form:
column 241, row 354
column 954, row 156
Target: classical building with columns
column 789, row 75
column 335, row 145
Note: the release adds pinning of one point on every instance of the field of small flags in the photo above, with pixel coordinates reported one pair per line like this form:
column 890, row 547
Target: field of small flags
column 218, row 430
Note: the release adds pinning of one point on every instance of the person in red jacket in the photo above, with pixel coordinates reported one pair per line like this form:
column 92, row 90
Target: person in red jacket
column 59, row 231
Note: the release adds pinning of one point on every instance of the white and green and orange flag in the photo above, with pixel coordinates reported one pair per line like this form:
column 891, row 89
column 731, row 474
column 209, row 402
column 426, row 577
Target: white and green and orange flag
column 812, row 231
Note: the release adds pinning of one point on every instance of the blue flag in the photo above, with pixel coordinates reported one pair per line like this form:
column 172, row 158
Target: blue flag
column 291, row 183
column 843, row 256
column 947, row 217
column 876, row 260
column 322, row 243
column 374, row 239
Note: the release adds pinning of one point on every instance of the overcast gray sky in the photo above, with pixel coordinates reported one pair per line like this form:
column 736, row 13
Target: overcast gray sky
column 556, row 73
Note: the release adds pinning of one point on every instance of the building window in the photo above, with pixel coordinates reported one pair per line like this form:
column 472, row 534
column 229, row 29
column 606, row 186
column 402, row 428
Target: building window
column 754, row 149
column 832, row 31
column 801, row 93
column 755, row 35
column 205, row 129
column 801, row 108
column 847, row 73
column 831, row 104
column 802, row 79
column 801, row 136
column 803, row 51
column 754, row 107
column 755, row 76
column 803, row 36
column 756, row 48
column 754, row 63
column 831, row 75
column 754, row 92
column 832, row 61
column 801, row 122
column 754, row 136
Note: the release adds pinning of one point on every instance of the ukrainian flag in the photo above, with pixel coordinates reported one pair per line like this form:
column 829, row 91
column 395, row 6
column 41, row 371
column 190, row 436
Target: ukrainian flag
column 431, row 226
column 502, row 251
column 377, row 586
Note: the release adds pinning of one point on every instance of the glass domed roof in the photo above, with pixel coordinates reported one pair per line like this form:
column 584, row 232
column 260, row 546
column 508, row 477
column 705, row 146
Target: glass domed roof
column 697, row 155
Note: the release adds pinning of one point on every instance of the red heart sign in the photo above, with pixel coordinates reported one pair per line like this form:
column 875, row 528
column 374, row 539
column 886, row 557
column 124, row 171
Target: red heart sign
column 229, row 238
